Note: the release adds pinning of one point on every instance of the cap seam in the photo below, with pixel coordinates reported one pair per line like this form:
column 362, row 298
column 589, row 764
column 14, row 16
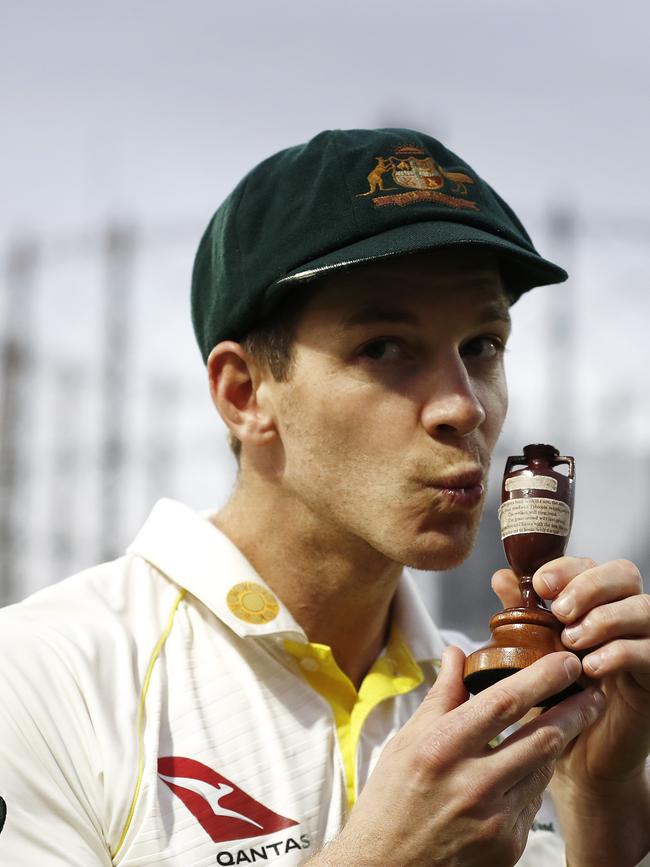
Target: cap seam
column 345, row 182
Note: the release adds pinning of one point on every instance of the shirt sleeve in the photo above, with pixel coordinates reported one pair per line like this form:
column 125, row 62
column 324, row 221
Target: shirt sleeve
column 50, row 772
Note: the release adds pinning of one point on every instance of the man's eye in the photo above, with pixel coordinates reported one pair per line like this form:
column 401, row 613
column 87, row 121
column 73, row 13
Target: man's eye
column 484, row 347
column 383, row 350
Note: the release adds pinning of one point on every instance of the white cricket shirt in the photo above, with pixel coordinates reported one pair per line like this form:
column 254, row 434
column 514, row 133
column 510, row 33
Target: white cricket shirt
column 166, row 709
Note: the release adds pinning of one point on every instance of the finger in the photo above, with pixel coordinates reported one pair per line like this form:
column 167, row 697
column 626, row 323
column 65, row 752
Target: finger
column 491, row 712
column 448, row 692
column 506, row 586
column 551, row 578
column 597, row 585
column 528, row 792
column 624, row 654
column 543, row 740
column 626, row 618
column 525, row 820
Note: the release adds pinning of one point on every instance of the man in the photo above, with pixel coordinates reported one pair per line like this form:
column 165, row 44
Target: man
column 263, row 685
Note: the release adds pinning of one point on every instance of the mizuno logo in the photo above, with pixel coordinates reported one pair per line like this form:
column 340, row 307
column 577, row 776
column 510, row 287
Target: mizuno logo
column 224, row 810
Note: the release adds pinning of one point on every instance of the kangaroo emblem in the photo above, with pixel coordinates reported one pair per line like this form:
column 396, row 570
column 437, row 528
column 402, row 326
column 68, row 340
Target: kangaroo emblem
column 376, row 176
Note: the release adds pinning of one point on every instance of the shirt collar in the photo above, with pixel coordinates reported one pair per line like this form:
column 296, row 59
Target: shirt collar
column 197, row 556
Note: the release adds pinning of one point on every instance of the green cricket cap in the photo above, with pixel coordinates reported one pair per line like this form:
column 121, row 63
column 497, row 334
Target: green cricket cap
column 345, row 198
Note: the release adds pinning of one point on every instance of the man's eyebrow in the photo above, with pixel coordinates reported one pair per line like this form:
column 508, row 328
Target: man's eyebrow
column 376, row 313
column 496, row 310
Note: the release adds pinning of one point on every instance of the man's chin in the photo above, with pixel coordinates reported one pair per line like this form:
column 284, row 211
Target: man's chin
column 439, row 561
column 441, row 553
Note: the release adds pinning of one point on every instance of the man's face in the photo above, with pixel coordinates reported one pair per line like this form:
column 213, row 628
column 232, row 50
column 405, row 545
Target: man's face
column 395, row 402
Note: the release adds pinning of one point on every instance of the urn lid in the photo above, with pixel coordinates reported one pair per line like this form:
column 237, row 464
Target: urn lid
column 540, row 451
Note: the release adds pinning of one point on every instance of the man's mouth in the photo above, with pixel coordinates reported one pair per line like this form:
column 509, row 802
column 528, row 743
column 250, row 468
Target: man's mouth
column 464, row 490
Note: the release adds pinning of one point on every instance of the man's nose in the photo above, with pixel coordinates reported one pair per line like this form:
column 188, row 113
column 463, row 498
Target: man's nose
column 453, row 405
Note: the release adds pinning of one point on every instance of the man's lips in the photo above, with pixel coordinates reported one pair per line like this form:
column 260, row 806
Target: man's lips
column 463, row 489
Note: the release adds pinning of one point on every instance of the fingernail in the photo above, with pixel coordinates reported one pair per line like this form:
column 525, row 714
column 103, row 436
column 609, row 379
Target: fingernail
column 564, row 604
column 593, row 662
column 573, row 667
column 550, row 580
column 573, row 633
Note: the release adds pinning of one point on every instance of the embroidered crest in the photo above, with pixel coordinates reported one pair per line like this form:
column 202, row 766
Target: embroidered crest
column 411, row 167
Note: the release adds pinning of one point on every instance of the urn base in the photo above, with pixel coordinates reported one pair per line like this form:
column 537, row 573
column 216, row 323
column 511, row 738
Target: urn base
column 520, row 636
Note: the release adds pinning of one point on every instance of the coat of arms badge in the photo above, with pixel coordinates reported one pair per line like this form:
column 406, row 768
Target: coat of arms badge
column 412, row 168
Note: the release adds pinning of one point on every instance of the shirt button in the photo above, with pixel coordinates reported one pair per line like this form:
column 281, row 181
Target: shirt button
column 309, row 663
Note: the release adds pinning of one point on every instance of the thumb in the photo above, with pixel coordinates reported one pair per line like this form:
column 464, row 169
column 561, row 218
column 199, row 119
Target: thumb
column 449, row 690
column 506, row 586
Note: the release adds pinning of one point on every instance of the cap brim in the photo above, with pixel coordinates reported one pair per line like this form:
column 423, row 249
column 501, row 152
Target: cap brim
column 522, row 269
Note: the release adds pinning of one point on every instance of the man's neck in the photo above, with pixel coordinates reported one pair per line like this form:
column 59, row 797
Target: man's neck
column 339, row 590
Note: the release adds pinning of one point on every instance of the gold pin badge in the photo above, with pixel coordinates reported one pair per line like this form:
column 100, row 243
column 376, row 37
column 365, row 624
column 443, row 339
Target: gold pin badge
column 252, row 603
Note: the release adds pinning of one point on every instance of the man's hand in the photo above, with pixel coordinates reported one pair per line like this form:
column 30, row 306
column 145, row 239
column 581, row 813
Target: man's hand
column 440, row 795
column 606, row 619
column 607, row 622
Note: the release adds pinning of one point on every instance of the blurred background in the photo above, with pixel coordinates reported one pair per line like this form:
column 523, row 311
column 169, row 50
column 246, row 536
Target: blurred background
column 125, row 125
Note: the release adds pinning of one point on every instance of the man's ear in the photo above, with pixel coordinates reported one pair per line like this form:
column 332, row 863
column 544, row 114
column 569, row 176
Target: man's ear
column 235, row 378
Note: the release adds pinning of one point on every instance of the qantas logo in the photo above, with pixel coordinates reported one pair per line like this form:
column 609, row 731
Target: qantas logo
column 224, row 811
column 212, row 794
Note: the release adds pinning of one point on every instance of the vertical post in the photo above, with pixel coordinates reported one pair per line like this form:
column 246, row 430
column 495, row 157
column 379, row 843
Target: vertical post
column 68, row 398
column 119, row 250
column 561, row 356
column 15, row 370
column 163, row 408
